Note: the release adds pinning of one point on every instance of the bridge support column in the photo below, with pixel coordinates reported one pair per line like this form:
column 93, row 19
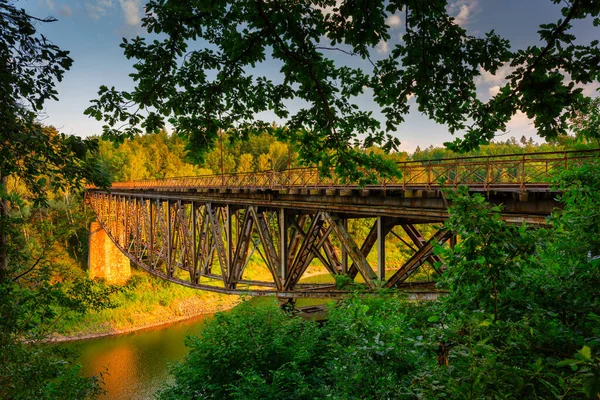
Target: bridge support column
column 381, row 232
column 344, row 251
column 283, row 240
column 105, row 260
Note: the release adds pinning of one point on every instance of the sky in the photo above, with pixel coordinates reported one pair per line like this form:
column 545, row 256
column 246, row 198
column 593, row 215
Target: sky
column 93, row 29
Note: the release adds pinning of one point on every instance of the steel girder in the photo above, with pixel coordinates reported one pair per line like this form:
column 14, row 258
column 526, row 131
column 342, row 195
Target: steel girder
column 208, row 245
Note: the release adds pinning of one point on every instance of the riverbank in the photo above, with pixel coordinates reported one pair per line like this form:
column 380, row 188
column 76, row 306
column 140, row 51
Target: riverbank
column 189, row 311
column 146, row 302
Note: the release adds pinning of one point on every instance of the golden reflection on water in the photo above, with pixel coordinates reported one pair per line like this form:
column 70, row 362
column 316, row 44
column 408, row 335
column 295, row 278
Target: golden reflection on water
column 134, row 366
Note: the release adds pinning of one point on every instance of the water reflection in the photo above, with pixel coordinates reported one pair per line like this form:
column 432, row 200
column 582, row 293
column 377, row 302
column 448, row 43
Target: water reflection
column 134, row 365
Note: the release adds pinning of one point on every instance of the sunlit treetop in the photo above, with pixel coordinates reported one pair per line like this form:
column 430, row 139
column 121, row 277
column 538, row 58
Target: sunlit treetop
column 30, row 67
column 207, row 71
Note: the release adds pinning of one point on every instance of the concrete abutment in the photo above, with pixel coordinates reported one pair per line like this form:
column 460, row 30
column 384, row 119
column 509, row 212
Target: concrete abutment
column 105, row 260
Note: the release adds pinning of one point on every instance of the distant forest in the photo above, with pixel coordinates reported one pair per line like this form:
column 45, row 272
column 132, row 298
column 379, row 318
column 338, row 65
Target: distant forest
column 163, row 155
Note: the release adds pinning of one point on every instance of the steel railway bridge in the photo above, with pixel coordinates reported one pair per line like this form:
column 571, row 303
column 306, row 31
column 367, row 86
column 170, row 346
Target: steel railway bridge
column 202, row 231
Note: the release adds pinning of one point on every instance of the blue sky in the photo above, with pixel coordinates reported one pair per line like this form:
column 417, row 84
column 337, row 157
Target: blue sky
column 93, row 29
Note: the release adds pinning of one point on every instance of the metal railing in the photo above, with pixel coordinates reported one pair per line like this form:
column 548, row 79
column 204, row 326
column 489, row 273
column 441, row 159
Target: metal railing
column 528, row 171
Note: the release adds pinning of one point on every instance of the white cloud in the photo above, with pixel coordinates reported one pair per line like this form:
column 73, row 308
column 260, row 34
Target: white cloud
column 463, row 10
column 50, row 4
column 393, row 21
column 494, row 90
column 66, row 10
column 383, row 47
column 591, row 89
column 463, row 16
column 519, row 124
column 98, row 8
column 497, row 79
column 328, row 9
column 131, row 11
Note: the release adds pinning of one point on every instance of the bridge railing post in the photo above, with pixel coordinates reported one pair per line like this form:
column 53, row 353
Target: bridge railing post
column 428, row 174
column 523, row 173
column 486, row 184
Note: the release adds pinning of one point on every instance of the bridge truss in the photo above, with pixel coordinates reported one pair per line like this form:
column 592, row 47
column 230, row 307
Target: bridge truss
column 201, row 232
column 207, row 245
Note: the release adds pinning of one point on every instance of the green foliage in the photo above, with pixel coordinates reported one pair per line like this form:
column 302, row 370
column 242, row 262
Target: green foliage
column 30, row 68
column 45, row 288
column 148, row 156
column 588, row 371
column 255, row 351
column 38, row 162
column 145, row 301
column 222, row 85
column 374, row 345
column 33, row 371
column 586, row 124
column 485, row 264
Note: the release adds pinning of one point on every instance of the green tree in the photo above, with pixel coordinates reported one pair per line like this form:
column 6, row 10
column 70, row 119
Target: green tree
column 586, row 123
column 30, row 65
column 220, row 86
column 43, row 161
column 255, row 351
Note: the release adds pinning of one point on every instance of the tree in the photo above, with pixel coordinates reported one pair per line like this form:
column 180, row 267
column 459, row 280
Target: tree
column 246, row 163
column 586, row 123
column 30, row 65
column 220, row 85
column 44, row 160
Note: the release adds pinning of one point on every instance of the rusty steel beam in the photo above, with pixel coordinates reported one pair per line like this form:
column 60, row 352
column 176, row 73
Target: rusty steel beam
column 427, row 207
column 241, row 251
column 303, row 291
column 418, row 239
column 315, row 249
column 304, row 256
column 179, row 235
column 518, row 172
column 272, row 259
column 371, row 240
column 217, row 235
column 440, row 237
column 355, row 253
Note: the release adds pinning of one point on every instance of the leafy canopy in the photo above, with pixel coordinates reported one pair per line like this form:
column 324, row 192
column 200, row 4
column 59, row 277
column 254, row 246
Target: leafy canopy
column 30, row 67
column 33, row 298
column 211, row 68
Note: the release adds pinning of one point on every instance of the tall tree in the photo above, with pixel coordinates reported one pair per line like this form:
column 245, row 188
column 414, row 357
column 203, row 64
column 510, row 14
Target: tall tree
column 204, row 73
column 43, row 159
column 30, row 66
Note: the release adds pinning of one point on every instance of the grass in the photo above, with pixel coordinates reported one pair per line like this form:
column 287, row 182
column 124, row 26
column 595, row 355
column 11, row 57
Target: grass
column 146, row 301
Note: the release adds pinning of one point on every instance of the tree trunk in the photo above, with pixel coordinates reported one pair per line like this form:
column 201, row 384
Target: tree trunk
column 3, row 231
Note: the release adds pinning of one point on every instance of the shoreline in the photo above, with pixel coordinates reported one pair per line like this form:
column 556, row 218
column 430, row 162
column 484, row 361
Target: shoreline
column 57, row 338
column 197, row 313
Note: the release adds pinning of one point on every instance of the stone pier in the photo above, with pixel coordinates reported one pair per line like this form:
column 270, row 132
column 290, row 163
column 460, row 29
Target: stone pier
column 105, row 260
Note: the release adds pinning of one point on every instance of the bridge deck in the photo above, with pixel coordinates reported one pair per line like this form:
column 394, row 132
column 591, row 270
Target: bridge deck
column 201, row 231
